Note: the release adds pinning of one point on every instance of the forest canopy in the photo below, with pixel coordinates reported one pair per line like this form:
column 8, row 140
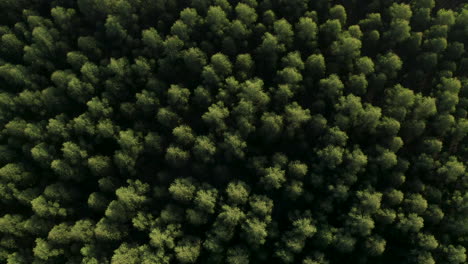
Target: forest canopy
column 221, row 131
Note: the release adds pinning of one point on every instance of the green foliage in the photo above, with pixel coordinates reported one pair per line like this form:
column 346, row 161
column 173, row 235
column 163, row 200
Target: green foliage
column 187, row 251
column 314, row 132
column 182, row 189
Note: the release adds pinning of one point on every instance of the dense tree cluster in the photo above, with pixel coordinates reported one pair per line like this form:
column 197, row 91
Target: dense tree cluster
column 221, row 131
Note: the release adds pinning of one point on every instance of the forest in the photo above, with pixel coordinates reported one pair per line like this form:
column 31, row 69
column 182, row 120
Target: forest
column 236, row 132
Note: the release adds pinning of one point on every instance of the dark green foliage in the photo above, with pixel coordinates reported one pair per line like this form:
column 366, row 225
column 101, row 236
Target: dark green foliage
column 218, row 131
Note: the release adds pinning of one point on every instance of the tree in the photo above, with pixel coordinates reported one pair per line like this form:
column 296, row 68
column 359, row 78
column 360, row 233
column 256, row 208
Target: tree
column 290, row 75
column 204, row 149
column 215, row 116
column 221, row 64
column 167, row 117
column 183, row 135
column 152, row 40
column 283, row 31
column 178, row 97
column 344, row 242
column 273, row 178
column 331, row 29
column 389, row 64
column 369, row 201
column 416, row 203
column 182, row 189
column 252, row 93
column 295, row 115
column 11, row 45
column 375, row 245
column 393, row 197
column 427, row 242
column 346, row 47
column 181, row 30
column 360, row 224
column 73, row 153
column 205, row 200
column 217, row 131
column 402, row 98
column 237, row 192
column 297, row 169
column 45, row 251
column 126, row 253
column 301, row 230
column 332, row 86
column 234, row 146
column 269, row 49
column 114, row 29
column 455, row 254
column 194, row 59
column 246, row 14
column 176, row 156
column 425, row 257
column 307, row 31
column 217, row 20
column 172, row 48
column 187, row 251
column 331, row 156
column 452, row 169
column 14, row 75
column 254, row 232
column 43, row 154
column 271, row 125
column 410, row 223
column 244, row 66
column 47, row 208
column 365, row 65
column 237, row 255
column 315, row 65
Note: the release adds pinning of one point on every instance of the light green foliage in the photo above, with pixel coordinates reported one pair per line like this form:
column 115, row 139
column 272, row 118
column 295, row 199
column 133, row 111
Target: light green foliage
column 187, row 251
column 307, row 31
column 295, row 115
column 331, row 29
column 410, row 223
column 455, row 254
column 452, row 169
column 283, row 31
column 365, row 65
column 217, row 20
column 253, row 91
column 332, row 156
column 234, row 146
column 271, row 124
column 246, row 14
column 215, row 116
column 183, row 135
column 204, row 149
column 332, row 86
column 182, row 189
column 360, row 224
column 274, row 178
column 221, row 64
column 177, row 96
column 255, row 232
column 151, row 38
column 376, row 245
column 44, row 251
column 369, row 201
column 194, row 59
column 14, row 172
column 205, row 200
column 237, row 256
